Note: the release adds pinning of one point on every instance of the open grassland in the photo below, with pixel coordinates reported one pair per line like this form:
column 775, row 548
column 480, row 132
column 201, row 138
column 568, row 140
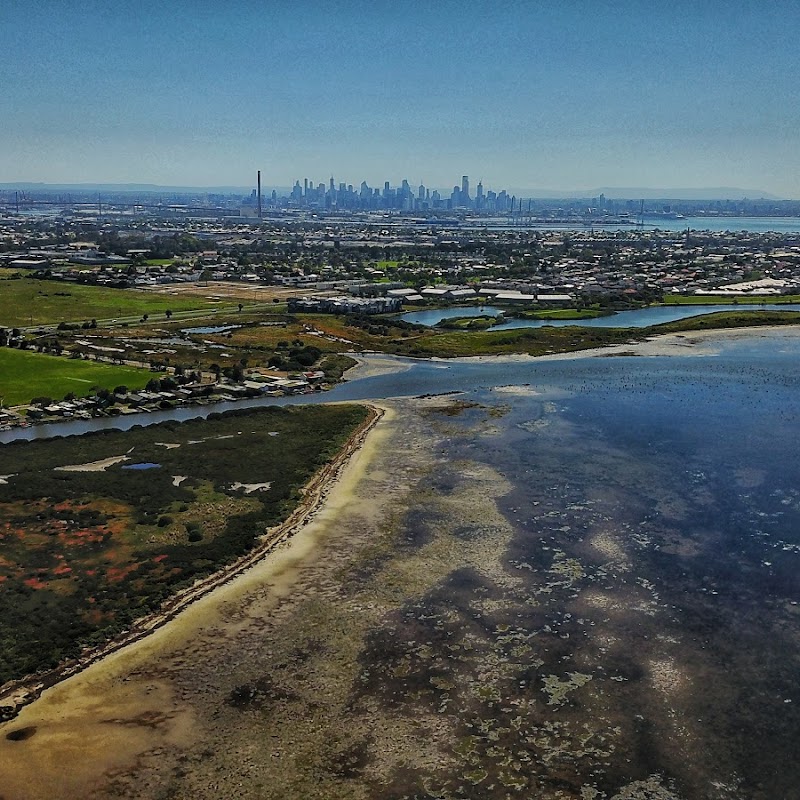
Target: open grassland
column 563, row 313
column 701, row 300
column 547, row 340
column 268, row 336
column 27, row 301
column 534, row 341
column 25, row 375
column 88, row 549
column 342, row 334
column 729, row 319
column 330, row 333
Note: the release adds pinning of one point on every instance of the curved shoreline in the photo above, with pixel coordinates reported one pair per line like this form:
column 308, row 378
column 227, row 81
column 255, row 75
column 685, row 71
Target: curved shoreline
column 15, row 695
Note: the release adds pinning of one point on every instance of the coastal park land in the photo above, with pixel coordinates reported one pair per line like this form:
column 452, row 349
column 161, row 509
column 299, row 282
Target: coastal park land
column 207, row 331
column 743, row 300
column 270, row 341
column 29, row 302
column 25, row 375
column 337, row 333
column 101, row 529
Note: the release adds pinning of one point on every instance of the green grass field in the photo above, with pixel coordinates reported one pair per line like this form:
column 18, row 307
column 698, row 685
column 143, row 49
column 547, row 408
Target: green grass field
column 25, row 375
column 705, row 300
column 564, row 313
column 27, row 302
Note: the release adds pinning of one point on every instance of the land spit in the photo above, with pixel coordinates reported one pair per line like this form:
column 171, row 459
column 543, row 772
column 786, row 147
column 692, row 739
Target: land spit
column 16, row 694
column 370, row 656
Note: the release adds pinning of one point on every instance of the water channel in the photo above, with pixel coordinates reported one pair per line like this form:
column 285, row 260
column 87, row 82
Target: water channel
column 635, row 318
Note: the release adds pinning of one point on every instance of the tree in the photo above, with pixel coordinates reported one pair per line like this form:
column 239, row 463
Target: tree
column 168, row 312
column 240, row 308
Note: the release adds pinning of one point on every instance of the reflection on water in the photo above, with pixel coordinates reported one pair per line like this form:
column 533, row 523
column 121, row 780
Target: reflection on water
column 645, row 633
column 635, row 318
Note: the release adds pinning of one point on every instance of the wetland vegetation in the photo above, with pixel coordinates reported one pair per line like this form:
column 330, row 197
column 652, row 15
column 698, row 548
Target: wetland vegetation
column 89, row 544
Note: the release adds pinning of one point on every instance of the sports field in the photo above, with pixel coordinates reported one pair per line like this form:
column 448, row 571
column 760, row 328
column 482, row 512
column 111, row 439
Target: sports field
column 25, row 375
column 26, row 301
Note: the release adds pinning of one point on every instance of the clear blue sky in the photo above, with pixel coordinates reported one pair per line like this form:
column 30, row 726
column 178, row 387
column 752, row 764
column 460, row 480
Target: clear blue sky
column 557, row 94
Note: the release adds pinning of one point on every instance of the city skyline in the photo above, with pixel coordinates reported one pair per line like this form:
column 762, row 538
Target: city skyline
column 526, row 95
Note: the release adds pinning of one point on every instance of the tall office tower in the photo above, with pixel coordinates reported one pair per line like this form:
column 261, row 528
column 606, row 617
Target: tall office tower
column 305, row 187
column 386, row 189
column 332, row 188
column 465, row 188
column 479, row 199
column 421, row 192
column 404, row 196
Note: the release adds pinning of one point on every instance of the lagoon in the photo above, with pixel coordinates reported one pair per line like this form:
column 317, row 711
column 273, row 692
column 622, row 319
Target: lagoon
column 636, row 318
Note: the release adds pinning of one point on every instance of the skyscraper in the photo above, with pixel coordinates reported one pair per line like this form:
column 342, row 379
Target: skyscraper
column 465, row 189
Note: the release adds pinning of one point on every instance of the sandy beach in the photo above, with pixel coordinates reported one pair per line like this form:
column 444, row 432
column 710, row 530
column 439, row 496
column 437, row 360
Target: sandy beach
column 694, row 343
column 93, row 716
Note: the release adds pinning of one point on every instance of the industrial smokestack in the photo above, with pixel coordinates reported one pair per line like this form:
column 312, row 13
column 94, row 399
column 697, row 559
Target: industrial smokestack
column 259, row 194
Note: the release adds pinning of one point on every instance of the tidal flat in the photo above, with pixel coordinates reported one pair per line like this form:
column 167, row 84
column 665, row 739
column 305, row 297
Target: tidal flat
column 582, row 586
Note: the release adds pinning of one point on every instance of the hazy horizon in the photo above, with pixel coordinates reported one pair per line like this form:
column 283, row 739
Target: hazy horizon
column 526, row 94
column 612, row 193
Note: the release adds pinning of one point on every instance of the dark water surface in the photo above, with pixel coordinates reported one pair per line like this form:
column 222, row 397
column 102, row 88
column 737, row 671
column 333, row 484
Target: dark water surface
column 652, row 638
column 635, row 318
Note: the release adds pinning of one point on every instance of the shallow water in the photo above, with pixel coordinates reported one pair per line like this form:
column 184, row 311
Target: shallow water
column 653, row 628
column 588, row 590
